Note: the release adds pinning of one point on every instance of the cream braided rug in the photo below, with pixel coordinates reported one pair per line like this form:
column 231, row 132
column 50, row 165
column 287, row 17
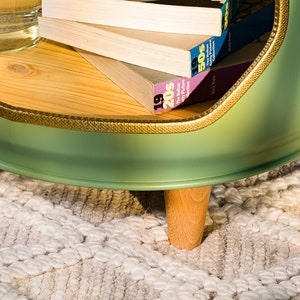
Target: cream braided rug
column 64, row 242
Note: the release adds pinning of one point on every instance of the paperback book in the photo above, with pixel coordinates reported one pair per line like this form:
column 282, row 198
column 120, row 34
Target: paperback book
column 204, row 17
column 179, row 54
column 225, row 73
column 160, row 92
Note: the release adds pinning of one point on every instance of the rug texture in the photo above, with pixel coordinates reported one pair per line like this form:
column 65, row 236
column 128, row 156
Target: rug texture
column 64, row 242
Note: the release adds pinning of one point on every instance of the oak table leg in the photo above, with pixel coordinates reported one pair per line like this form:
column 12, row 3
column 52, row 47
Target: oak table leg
column 186, row 212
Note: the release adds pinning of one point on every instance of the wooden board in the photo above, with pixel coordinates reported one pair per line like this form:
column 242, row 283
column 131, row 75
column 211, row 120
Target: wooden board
column 54, row 78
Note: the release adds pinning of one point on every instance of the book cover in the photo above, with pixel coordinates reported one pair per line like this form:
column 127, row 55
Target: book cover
column 158, row 91
column 253, row 19
column 180, row 54
column 202, row 17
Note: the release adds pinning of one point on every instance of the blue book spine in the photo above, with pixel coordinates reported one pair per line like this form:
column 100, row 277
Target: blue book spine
column 229, row 9
column 204, row 55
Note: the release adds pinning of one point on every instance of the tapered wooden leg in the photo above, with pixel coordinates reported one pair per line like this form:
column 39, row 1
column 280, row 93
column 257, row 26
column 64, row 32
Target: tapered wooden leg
column 186, row 212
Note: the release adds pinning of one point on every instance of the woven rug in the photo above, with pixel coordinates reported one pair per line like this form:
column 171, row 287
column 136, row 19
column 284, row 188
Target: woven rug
column 65, row 242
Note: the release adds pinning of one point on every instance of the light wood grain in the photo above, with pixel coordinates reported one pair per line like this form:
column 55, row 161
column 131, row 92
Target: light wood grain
column 186, row 212
column 52, row 77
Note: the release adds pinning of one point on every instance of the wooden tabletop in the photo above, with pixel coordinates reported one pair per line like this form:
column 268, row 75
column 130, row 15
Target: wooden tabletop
column 54, row 78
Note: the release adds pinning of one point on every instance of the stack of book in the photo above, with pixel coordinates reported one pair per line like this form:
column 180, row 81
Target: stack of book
column 161, row 52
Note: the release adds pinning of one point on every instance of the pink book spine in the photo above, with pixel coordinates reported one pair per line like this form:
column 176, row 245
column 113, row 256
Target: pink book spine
column 172, row 93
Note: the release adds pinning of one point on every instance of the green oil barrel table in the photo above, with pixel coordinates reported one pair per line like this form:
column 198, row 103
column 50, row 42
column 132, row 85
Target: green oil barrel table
column 62, row 120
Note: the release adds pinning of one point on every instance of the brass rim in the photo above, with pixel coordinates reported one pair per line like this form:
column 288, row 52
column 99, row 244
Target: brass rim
column 220, row 108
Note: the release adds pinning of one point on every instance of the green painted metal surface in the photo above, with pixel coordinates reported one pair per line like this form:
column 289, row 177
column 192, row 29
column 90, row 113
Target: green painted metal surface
column 260, row 132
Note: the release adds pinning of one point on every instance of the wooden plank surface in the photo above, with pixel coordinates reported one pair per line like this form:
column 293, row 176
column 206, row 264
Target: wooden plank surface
column 54, row 78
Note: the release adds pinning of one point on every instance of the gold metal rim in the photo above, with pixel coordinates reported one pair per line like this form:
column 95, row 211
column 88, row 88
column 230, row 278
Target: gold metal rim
column 199, row 121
